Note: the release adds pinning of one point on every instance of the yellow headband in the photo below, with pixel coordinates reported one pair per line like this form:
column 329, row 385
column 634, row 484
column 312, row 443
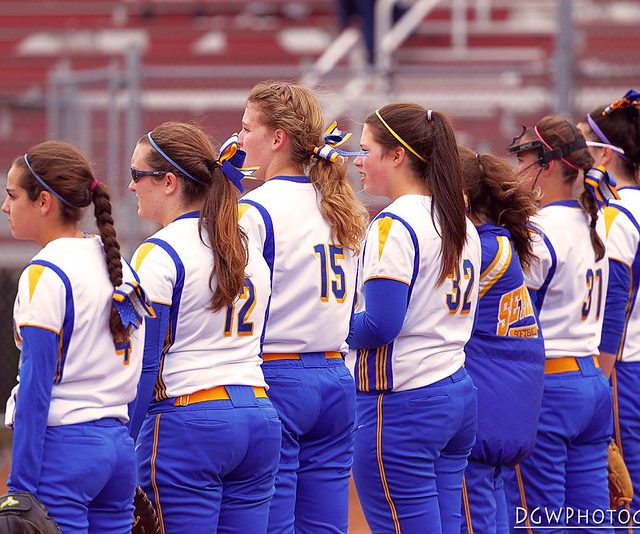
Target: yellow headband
column 402, row 141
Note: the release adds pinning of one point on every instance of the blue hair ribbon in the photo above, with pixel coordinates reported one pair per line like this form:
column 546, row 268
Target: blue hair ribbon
column 166, row 157
column 45, row 185
column 132, row 304
column 601, row 185
column 230, row 161
column 333, row 138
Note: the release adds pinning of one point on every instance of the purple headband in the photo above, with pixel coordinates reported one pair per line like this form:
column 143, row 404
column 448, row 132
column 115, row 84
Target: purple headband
column 603, row 137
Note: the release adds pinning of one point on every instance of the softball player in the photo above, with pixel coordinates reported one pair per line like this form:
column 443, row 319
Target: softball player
column 309, row 228
column 613, row 136
column 208, row 448
column 417, row 413
column 78, row 365
column 568, row 284
column 505, row 355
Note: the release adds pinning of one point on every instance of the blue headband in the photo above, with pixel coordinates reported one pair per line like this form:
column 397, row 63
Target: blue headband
column 165, row 156
column 45, row 185
column 604, row 138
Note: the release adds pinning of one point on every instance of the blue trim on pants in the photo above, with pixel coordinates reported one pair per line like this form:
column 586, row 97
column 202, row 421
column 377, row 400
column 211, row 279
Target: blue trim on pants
column 410, row 454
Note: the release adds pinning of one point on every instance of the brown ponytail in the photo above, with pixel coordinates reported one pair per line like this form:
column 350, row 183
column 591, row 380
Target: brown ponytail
column 558, row 131
column 69, row 174
column 431, row 135
column 494, row 193
column 296, row 110
column 192, row 149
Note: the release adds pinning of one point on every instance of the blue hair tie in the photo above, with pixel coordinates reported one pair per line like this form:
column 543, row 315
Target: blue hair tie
column 230, row 161
column 333, row 138
column 132, row 304
column 601, row 185
column 45, row 185
column 165, row 156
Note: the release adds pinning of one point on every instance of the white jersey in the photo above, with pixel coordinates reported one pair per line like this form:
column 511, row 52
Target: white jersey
column 403, row 244
column 66, row 289
column 623, row 245
column 313, row 277
column 203, row 348
column 571, row 285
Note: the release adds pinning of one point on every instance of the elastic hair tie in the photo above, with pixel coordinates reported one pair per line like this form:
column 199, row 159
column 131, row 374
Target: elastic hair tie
column 535, row 129
column 402, row 141
column 429, row 112
column 94, row 184
column 166, row 157
column 593, row 223
column 45, row 185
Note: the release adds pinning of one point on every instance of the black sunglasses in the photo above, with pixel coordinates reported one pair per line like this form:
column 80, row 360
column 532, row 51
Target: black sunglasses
column 137, row 175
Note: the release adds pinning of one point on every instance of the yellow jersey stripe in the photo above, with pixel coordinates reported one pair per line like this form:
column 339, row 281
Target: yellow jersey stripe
column 242, row 209
column 610, row 213
column 384, row 226
column 498, row 266
column 35, row 272
column 144, row 249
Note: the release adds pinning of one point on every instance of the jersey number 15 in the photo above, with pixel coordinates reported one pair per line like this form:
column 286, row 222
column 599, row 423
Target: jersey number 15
column 329, row 256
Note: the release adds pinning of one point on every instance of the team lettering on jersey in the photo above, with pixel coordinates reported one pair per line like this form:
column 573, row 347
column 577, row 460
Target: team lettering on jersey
column 515, row 306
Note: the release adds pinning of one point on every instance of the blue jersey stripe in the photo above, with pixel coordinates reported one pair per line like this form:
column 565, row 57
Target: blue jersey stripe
column 268, row 252
column 635, row 278
column 552, row 270
column 69, row 314
column 174, row 308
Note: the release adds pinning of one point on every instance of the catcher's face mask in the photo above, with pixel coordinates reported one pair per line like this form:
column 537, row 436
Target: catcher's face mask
column 544, row 152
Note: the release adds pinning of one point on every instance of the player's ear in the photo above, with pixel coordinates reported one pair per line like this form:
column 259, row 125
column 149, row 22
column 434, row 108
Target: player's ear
column 170, row 183
column 279, row 139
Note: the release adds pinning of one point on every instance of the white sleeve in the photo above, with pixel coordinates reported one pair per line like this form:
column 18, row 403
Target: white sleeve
column 543, row 261
column 622, row 236
column 253, row 224
column 389, row 251
column 41, row 299
column 157, row 272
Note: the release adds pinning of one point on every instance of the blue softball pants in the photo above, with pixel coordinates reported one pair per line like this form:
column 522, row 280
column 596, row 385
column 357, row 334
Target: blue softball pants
column 564, row 481
column 484, row 502
column 89, row 476
column 315, row 399
column 625, row 381
column 411, row 451
column 209, row 467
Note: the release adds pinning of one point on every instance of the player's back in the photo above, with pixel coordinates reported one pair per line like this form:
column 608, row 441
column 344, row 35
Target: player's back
column 66, row 289
column 204, row 347
column 570, row 284
column 313, row 276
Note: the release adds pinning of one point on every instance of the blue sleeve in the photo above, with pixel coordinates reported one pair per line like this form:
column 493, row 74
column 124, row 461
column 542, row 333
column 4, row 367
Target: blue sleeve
column 154, row 337
column 37, row 369
column 615, row 307
column 386, row 302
